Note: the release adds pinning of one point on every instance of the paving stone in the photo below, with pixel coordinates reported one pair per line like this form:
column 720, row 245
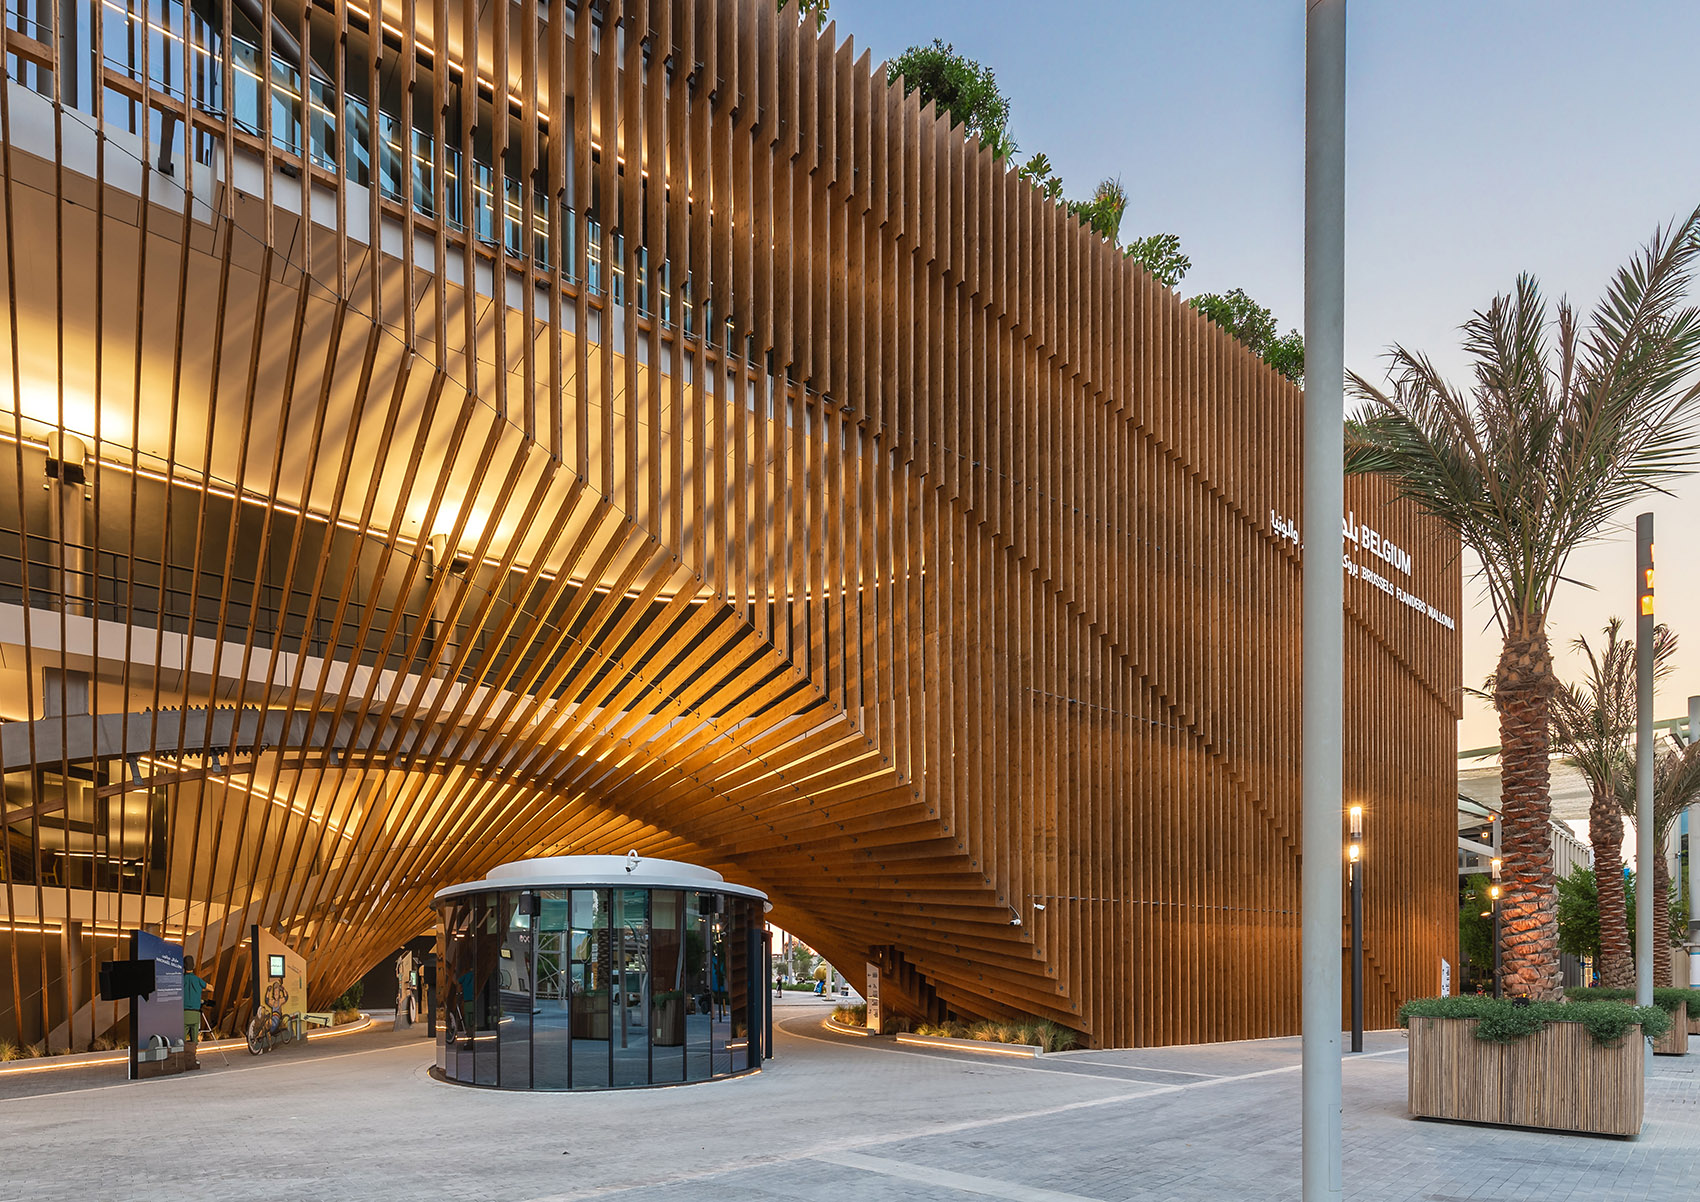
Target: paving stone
column 832, row 1119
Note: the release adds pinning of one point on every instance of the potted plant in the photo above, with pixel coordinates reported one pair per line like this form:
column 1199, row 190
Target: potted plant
column 1566, row 1066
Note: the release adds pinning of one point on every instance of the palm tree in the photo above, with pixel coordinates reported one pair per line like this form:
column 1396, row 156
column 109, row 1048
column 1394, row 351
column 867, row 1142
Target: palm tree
column 1676, row 786
column 1591, row 726
column 1559, row 430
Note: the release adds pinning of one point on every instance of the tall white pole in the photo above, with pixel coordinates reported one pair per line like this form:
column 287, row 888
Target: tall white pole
column 1694, row 860
column 1324, row 503
column 1646, row 846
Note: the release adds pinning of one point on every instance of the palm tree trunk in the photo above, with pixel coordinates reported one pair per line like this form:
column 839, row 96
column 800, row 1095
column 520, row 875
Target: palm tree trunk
column 1523, row 689
column 1605, row 832
column 1662, row 968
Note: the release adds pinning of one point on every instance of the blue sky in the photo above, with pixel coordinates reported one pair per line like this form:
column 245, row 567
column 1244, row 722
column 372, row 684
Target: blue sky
column 1484, row 139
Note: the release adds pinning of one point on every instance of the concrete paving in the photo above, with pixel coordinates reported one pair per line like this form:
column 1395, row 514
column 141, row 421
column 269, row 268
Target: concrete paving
column 831, row 1119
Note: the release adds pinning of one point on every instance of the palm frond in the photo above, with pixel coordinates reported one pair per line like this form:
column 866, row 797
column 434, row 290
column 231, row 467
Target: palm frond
column 1561, row 427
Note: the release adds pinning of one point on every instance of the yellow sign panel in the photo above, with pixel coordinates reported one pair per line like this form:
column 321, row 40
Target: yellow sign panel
column 282, row 975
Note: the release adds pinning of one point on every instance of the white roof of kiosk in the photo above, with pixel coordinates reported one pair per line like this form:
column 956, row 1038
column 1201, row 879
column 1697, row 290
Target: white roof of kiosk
column 612, row 872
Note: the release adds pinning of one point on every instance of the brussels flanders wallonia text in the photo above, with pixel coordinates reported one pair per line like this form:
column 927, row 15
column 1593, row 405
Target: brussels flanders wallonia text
column 1372, row 542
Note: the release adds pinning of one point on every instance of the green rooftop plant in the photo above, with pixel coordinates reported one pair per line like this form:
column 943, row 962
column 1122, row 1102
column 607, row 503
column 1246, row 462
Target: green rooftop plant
column 1506, row 1020
column 815, row 10
column 960, row 87
column 1255, row 326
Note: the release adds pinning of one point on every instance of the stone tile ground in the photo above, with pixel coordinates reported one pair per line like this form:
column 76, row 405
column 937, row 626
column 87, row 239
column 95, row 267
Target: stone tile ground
column 832, row 1119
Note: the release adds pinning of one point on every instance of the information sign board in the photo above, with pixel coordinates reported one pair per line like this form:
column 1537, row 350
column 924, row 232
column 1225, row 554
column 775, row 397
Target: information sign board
column 156, row 1021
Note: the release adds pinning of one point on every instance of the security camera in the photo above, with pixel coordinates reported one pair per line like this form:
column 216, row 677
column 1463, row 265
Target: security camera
column 632, row 860
column 1016, row 921
column 1039, row 906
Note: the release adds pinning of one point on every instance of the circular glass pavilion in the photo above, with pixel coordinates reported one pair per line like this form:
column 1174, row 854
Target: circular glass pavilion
column 598, row 972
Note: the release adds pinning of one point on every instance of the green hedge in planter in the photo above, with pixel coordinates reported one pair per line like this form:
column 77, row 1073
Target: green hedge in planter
column 1504, row 1020
column 1665, row 999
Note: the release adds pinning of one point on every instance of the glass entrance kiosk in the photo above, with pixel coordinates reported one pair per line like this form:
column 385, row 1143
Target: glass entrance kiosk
column 600, row 972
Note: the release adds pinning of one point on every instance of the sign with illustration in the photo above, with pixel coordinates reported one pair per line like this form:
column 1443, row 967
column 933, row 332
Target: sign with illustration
column 280, row 979
column 873, row 998
column 156, row 1020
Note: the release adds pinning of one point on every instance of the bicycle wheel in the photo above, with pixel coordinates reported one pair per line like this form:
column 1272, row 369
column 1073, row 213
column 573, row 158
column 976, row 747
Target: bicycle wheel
column 257, row 1040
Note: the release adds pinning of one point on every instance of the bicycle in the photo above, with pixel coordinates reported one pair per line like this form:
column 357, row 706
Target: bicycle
column 267, row 1029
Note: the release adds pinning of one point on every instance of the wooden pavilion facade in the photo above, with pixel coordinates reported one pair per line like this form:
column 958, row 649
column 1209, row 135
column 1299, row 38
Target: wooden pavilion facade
column 440, row 434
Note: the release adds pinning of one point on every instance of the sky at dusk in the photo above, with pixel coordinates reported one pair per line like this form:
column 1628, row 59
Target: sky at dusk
column 1483, row 140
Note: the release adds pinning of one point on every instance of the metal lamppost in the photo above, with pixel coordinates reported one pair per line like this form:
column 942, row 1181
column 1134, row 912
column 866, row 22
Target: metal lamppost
column 1694, row 860
column 1322, row 706
column 1493, row 892
column 1645, row 845
column 1355, row 870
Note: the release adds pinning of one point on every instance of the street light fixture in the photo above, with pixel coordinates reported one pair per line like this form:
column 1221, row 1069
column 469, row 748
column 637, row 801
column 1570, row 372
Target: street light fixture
column 1355, row 873
column 1646, row 848
column 1493, row 892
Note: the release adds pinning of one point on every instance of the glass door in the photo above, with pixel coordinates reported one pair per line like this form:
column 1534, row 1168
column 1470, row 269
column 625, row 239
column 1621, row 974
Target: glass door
column 549, row 1021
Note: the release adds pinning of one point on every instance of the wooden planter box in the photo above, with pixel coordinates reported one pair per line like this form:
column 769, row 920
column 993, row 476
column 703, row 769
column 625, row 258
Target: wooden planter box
column 590, row 1016
column 1674, row 1042
column 669, row 1022
column 1558, row 1078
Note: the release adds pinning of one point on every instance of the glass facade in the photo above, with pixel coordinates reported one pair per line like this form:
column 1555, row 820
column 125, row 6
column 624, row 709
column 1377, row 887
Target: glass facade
column 599, row 987
column 176, row 53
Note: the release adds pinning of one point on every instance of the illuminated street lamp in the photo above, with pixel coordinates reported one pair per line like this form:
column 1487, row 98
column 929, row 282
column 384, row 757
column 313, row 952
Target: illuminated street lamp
column 1355, row 872
column 1493, row 892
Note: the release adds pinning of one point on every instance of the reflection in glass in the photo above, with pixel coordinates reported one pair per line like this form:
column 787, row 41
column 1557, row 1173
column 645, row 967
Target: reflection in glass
column 699, row 997
column 741, row 973
column 667, row 986
column 549, row 1032
column 631, row 986
column 718, row 971
column 489, row 919
column 591, row 973
column 513, row 971
column 457, row 988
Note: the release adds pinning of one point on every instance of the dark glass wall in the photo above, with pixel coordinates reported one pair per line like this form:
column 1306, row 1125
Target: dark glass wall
column 597, row 988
